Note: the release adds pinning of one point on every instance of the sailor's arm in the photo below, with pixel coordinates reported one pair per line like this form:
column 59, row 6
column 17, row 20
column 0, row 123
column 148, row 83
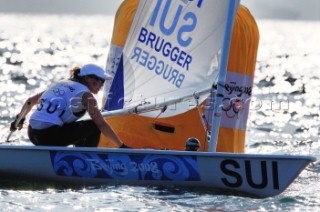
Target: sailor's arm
column 26, row 108
column 30, row 102
column 90, row 103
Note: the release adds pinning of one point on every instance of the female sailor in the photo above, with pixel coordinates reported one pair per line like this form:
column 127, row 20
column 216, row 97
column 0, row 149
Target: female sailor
column 54, row 122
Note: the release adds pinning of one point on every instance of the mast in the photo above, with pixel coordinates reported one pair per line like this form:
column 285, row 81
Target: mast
column 231, row 13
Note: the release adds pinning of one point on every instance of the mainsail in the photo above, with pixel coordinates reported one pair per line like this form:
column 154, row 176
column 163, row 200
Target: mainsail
column 173, row 49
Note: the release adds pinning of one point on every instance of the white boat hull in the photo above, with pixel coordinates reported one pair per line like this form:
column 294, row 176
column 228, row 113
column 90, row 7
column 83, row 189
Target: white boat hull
column 257, row 175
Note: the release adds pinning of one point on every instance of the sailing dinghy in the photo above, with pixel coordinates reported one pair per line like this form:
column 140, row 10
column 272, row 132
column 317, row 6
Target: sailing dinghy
column 255, row 175
column 179, row 50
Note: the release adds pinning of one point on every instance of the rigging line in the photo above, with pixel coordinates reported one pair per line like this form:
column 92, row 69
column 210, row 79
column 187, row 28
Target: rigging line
column 204, row 121
column 196, row 98
column 160, row 113
column 21, row 115
column 219, row 84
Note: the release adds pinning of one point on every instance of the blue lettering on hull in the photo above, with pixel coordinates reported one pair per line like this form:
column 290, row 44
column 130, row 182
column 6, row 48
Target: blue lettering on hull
column 126, row 167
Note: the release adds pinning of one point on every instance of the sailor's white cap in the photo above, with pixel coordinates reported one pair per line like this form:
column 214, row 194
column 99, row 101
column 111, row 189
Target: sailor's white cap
column 91, row 69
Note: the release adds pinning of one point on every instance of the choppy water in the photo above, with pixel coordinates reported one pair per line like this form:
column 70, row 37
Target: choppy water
column 284, row 116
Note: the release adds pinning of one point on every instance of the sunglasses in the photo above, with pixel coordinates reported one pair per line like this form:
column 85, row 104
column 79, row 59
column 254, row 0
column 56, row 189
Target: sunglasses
column 98, row 79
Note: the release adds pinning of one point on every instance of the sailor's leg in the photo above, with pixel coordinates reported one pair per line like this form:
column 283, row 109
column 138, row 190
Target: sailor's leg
column 81, row 133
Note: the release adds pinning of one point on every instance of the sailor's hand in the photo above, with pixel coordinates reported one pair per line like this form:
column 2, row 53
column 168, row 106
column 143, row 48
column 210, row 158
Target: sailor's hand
column 125, row 146
column 19, row 126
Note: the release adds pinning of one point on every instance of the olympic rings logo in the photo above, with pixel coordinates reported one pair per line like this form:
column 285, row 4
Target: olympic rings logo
column 58, row 92
column 232, row 107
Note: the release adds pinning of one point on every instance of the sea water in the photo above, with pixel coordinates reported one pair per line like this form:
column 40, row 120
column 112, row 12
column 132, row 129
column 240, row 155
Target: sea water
column 284, row 116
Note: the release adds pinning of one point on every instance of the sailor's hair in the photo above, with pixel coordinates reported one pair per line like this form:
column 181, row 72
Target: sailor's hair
column 74, row 73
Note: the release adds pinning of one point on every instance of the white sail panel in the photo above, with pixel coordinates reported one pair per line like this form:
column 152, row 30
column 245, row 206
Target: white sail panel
column 172, row 50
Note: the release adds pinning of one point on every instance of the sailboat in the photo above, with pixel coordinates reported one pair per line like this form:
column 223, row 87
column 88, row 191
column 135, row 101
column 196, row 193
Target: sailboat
column 179, row 51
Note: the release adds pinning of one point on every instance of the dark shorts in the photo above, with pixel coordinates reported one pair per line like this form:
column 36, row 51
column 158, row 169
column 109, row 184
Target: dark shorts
column 80, row 133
